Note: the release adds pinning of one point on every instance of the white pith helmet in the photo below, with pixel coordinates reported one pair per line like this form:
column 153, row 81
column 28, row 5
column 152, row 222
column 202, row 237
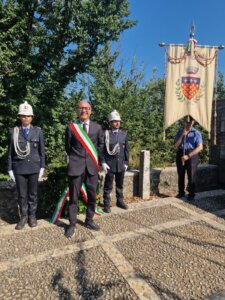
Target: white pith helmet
column 25, row 109
column 114, row 116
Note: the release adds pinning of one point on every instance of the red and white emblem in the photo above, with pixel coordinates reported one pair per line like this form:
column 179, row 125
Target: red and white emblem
column 190, row 86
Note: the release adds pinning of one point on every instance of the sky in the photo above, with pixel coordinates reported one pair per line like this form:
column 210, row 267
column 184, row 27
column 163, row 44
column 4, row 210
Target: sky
column 169, row 21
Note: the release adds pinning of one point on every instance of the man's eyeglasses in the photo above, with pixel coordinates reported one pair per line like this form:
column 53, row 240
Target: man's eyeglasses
column 84, row 108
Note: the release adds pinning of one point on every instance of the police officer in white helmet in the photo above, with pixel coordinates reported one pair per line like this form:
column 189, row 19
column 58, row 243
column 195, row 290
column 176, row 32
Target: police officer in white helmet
column 116, row 155
column 26, row 163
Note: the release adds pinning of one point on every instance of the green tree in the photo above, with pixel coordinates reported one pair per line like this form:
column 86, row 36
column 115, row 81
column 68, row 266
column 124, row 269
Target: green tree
column 44, row 45
column 220, row 87
column 140, row 104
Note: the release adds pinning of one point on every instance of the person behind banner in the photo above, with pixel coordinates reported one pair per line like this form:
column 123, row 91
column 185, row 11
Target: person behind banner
column 26, row 163
column 189, row 143
column 115, row 163
column 82, row 165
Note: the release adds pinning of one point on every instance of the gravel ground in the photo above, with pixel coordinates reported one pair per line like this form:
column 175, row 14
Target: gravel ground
column 187, row 262
column 163, row 249
column 36, row 241
column 147, row 217
column 86, row 275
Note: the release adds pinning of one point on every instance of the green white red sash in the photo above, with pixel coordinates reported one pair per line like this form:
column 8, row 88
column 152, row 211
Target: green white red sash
column 88, row 145
column 62, row 200
column 86, row 142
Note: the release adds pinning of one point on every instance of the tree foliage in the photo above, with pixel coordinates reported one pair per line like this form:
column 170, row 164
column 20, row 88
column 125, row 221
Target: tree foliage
column 220, row 87
column 44, row 45
column 140, row 103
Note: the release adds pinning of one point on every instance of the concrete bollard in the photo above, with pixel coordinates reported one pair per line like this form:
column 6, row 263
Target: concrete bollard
column 144, row 175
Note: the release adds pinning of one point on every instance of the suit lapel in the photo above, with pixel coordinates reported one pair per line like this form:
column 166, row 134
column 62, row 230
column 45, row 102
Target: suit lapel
column 119, row 135
column 111, row 135
column 21, row 132
column 90, row 130
column 30, row 132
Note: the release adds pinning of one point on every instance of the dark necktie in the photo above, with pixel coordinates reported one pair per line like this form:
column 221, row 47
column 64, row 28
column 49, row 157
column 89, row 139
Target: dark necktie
column 26, row 131
column 85, row 127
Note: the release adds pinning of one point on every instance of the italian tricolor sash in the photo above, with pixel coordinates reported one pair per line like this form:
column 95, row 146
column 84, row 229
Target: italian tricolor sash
column 86, row 142
column 88, row 145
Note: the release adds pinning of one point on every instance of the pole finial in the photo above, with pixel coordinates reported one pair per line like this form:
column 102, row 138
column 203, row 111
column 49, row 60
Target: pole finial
column 192, row 30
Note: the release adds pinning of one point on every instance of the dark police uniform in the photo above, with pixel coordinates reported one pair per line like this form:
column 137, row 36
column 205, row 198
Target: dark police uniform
column 26, row 171
column 189, row 143
column 117, row 164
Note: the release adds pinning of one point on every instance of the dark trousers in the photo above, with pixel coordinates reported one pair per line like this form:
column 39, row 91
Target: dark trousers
column 191, row 167
column 108, row 185
column 75, row 183
column 27, row 188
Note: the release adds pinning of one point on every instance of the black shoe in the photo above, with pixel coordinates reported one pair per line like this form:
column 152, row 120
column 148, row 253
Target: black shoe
column 107, row 210
column 70, row 231
column 180, row 195
column 191, row 198
column 32, row 221
column 21, row 223
column 92, row 225
column 122, row 205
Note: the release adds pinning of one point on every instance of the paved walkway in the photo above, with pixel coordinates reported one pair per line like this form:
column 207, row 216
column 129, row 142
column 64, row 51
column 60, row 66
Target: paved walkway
column 159, row 249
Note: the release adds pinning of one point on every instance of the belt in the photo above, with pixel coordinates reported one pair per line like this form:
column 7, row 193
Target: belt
column 187, row 151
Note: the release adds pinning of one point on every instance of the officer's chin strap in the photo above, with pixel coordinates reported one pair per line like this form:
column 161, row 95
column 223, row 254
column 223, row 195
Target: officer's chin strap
column 22, row 154
column 115, row 150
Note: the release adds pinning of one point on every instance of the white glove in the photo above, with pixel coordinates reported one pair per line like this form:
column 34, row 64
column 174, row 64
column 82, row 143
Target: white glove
column 125, row 167
column 11, row 175
column 105, row 167
column 41, row 173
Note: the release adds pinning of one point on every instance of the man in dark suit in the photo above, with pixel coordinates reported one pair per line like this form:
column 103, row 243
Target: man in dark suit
column 115, row 163
column 26, row 163
column 82, row 168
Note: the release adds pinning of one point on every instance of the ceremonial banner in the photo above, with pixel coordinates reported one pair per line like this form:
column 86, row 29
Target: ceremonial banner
column 190, row 84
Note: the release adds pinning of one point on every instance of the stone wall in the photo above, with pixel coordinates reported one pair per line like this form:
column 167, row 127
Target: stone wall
column 162, row 182
column 165, row 180
column 8, row 203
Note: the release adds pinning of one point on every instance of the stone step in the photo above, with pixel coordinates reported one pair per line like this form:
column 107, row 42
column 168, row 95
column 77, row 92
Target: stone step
column 219, row 194
column 212, row 201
